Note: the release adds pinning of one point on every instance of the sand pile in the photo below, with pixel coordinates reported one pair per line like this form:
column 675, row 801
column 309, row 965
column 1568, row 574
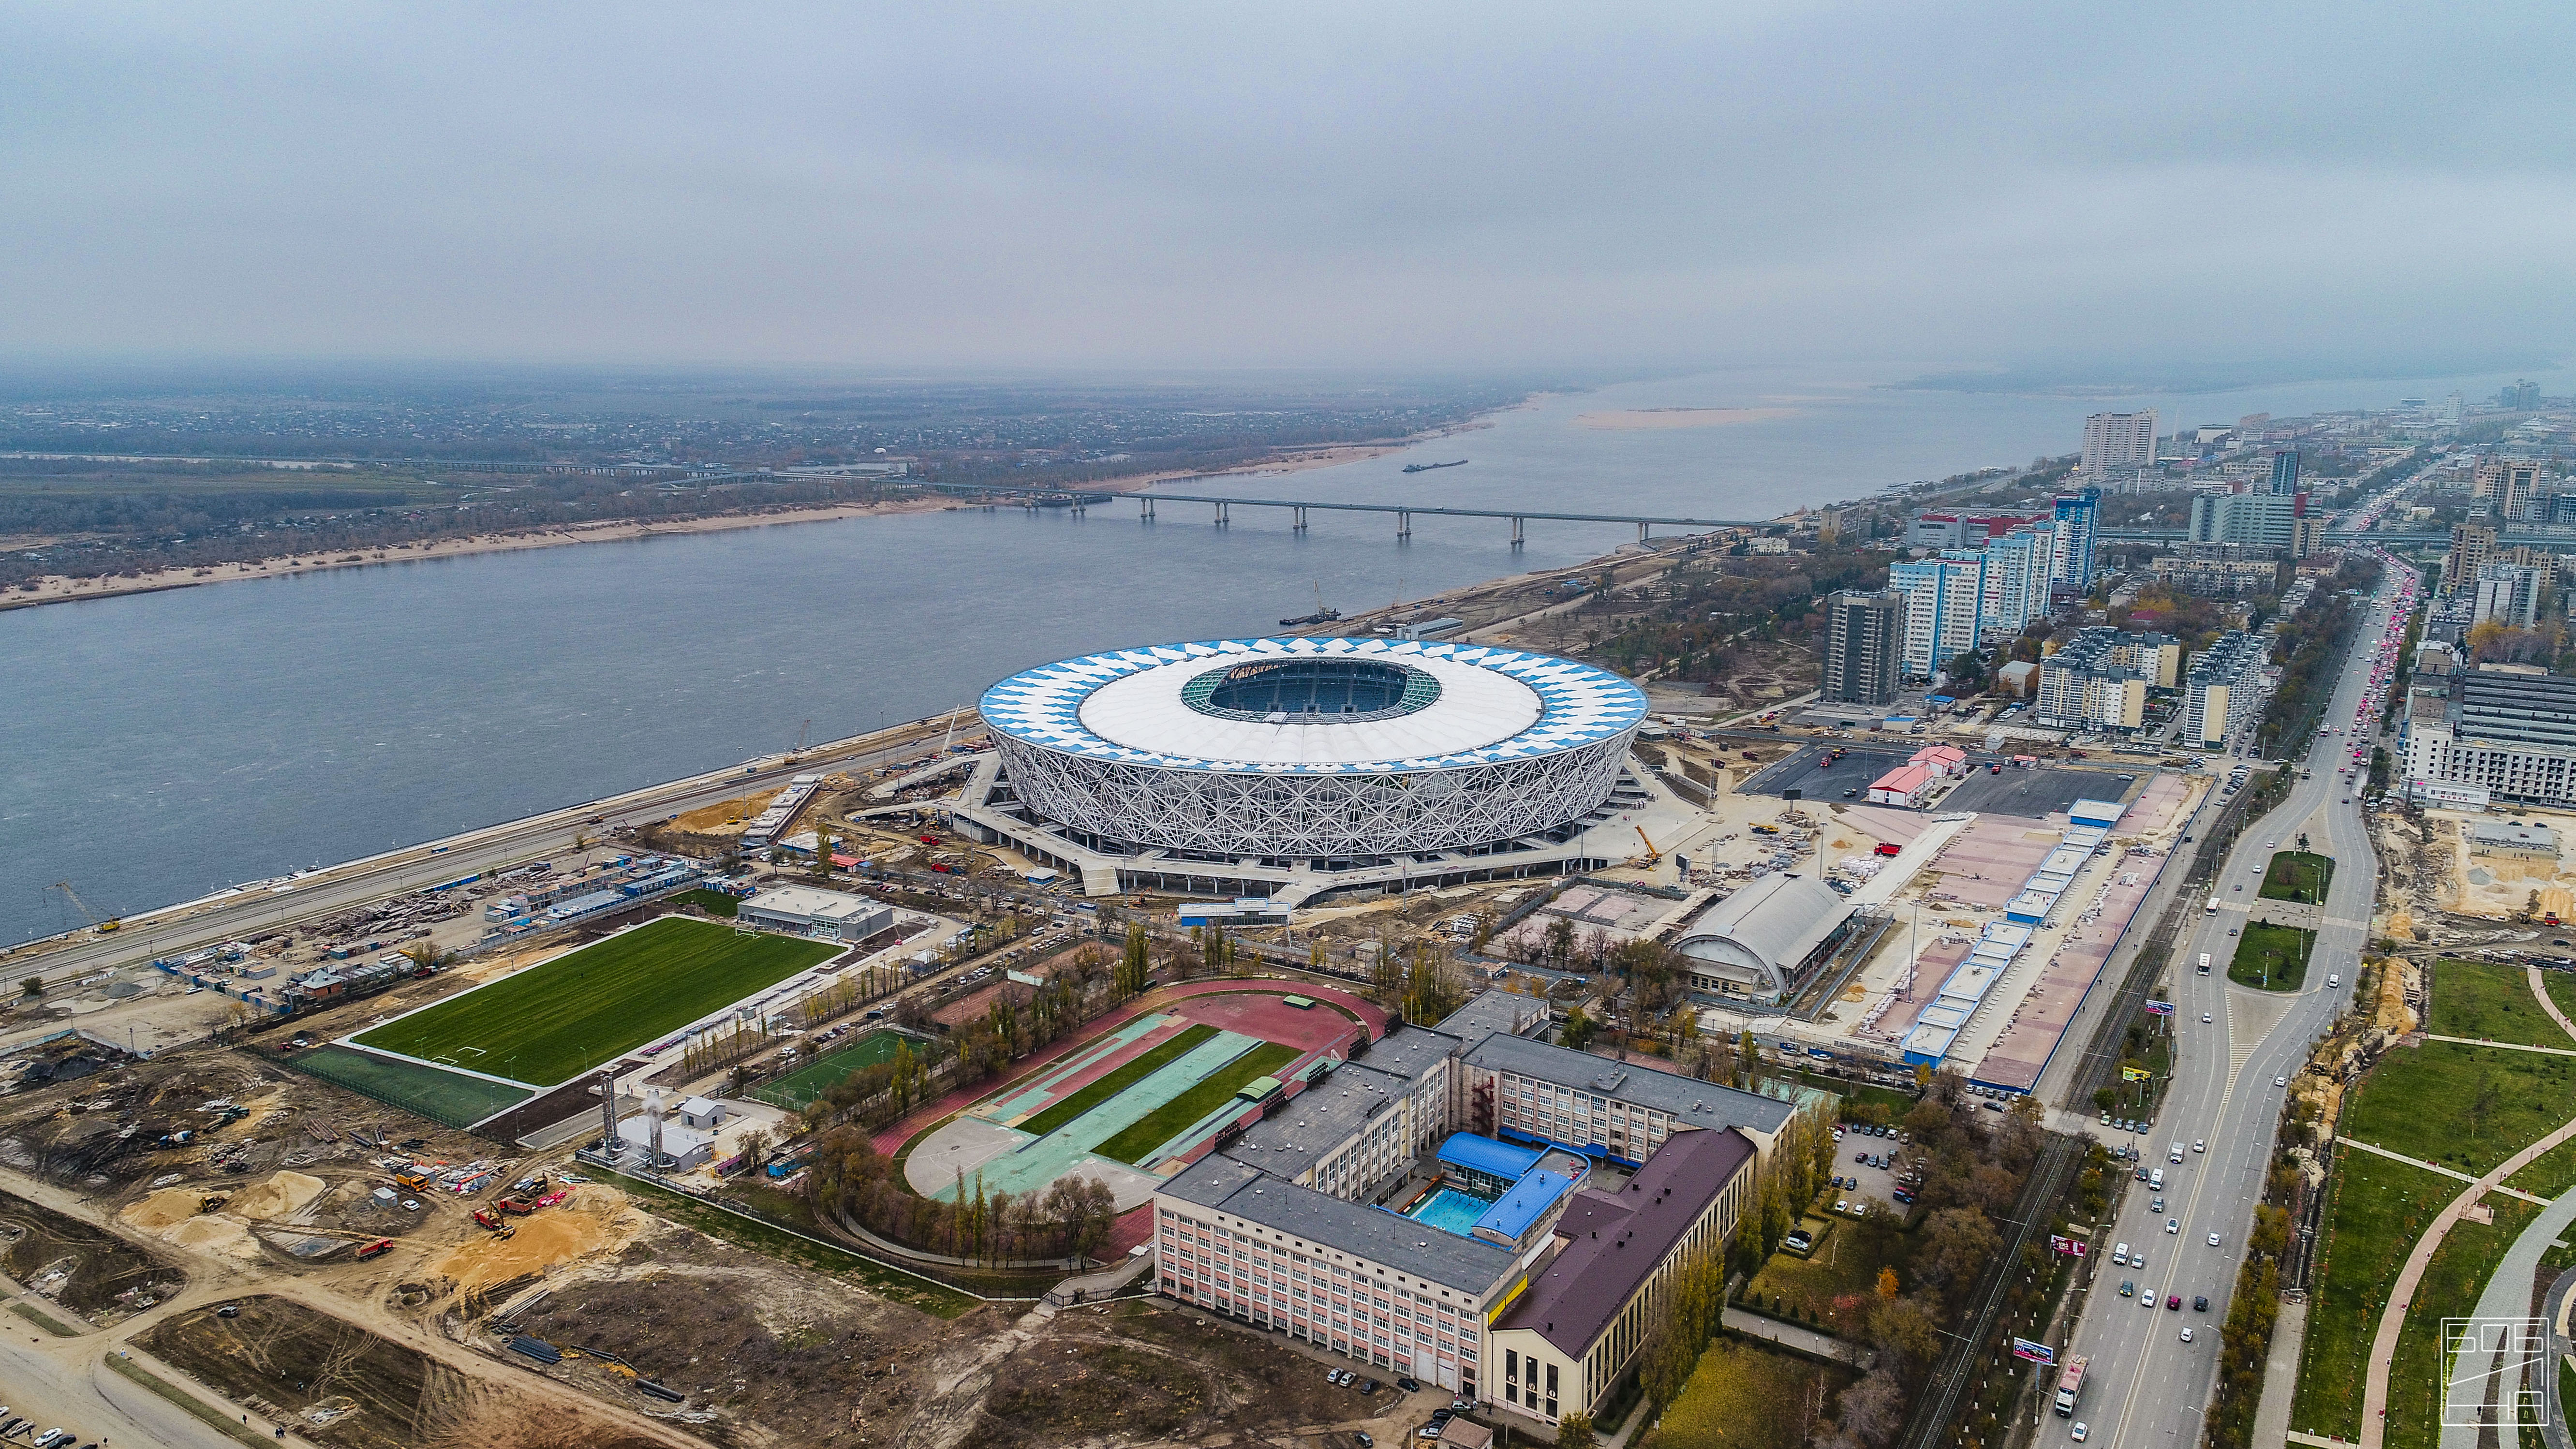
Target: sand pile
column 593, row 1220
column 164, row 1209
column 214, row 1235
column 282, row 1194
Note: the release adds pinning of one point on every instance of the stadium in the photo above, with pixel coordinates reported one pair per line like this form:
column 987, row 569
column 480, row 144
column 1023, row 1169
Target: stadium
column 1299, row 767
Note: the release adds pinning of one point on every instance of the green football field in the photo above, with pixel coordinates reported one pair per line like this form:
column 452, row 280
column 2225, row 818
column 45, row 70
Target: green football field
column 549, row 1023
column 797, row 1090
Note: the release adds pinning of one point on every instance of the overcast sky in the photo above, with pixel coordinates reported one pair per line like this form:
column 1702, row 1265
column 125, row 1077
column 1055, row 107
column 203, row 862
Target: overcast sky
column 1913, row 185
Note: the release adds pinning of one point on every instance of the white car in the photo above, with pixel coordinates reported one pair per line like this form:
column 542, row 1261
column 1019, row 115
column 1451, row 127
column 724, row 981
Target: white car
column 2280, row 1081
column 2204, row 1018
column 2213, row 1240
column 2186, row 1333
column 1842, row 1205
column 2078, row 1432
column 2199, row 1145
column 2173, row 1225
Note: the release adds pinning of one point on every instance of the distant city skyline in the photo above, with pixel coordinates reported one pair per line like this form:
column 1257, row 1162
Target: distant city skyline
column 1991, row 187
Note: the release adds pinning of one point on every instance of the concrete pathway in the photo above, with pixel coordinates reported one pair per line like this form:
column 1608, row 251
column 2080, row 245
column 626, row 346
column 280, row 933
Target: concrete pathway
column 2392, row 1319
column 2506, row 1296
column 1790, row 1335
column 2540, row 989
column 2553, row 1313
column 2510, row 1046
column 2450, row 1172
column 2281, row 1378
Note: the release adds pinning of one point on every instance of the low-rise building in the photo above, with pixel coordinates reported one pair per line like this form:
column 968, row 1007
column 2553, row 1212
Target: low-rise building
column 832, row 915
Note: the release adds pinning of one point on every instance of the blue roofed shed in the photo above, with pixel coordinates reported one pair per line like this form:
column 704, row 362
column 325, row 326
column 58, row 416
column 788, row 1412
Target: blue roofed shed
column 1484, row 1166
column 1522, row 1207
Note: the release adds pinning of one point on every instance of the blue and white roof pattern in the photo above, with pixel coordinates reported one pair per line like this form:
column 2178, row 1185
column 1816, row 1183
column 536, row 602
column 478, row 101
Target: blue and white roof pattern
column 1495, row 706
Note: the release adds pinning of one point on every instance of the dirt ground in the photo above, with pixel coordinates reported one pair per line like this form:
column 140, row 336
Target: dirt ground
column 95, row 1274
column 352, row 1389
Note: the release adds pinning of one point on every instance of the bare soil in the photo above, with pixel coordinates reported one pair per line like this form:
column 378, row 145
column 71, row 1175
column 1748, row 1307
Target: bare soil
column 89, row 1271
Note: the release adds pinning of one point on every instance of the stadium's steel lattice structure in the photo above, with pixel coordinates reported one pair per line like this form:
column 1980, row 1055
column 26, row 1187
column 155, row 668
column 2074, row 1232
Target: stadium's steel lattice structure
column 1129, row 747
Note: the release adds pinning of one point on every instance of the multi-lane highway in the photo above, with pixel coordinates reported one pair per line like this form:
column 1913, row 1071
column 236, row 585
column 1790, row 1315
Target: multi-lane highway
column 2235, row 1044
column 260, row 907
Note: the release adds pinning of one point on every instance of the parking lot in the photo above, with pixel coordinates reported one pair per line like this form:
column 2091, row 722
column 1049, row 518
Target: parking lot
column 1802, row 771
column 2036, row 793
column 1871, row 1182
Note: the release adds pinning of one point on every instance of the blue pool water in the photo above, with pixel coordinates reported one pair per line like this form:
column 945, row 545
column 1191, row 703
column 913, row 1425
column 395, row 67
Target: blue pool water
column 1450, row 1210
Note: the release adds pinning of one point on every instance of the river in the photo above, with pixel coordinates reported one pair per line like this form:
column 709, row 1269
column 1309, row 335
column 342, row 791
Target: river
column 160, row 746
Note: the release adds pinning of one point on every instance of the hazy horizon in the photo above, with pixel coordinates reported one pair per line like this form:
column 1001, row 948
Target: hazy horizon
column 2232, row 193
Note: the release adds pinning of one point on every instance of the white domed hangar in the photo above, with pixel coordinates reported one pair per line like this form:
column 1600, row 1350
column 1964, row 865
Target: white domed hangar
column 1299, row 768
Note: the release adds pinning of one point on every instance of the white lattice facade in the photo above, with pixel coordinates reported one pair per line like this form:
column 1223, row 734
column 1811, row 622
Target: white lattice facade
column 1313, row 749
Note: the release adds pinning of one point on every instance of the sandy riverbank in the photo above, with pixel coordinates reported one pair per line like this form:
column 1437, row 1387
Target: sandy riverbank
column 58, row 589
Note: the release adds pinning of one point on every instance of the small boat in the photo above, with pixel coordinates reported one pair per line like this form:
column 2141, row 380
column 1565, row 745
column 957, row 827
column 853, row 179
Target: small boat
column 1427, row 467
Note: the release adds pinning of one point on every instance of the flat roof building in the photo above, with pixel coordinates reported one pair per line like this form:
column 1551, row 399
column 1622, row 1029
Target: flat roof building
column 831, row 914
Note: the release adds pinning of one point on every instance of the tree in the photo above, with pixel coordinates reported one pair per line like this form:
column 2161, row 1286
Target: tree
column 1887, row 1282
column 755, row 1144
column 1135, row 962
column 1578, row 1030
column 1873, row 1408
column 1574, row 1431
column 33, row 986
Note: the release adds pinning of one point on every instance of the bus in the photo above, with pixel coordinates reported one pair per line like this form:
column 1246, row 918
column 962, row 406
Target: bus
column 2213, row 906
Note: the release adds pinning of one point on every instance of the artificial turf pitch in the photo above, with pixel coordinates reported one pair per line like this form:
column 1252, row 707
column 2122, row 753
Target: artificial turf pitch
column 548, row 1023
column 1169, row 1120
column 798, row 1089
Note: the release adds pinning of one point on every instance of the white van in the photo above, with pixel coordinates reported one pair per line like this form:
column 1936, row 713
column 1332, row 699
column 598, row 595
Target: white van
column 2120, row 1256
column 2156, row 1179
column 2334, row 980
column 2176, row 1154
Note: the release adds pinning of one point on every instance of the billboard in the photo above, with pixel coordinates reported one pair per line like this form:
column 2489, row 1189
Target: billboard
column 2159, row 1008
column 2135, row 1074
column 2065, row 1247
column 2023, row 1348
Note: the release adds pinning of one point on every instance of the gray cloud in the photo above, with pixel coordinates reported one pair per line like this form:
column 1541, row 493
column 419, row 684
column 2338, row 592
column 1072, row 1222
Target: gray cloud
column 1308, row 185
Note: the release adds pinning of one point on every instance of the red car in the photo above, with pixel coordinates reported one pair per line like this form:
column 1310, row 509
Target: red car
column 2173, row 1302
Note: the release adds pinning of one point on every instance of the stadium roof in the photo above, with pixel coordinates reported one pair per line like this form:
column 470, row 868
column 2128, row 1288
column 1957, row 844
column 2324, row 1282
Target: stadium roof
column 1447, row 706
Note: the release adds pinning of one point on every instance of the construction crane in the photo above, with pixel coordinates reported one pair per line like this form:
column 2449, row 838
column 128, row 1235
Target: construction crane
column 1653, row 852
column 103, row 924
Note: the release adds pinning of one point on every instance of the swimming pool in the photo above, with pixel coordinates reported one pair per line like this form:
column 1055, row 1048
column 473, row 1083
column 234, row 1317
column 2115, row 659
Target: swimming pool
column 1450, row 1210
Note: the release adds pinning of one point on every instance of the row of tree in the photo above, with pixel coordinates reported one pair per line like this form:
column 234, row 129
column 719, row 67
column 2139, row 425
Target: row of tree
column 849, row 1178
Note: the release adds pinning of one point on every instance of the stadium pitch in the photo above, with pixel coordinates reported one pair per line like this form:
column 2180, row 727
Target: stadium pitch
column 544, row 1025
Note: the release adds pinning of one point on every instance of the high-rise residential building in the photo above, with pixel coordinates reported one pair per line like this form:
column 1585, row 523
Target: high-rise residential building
column 2512, row 482
column 2285, row 472
column 2471, row 546
column 2519, row 397
column 1864, row 645
column 1944, row 600
column 2224, row 691
column 2017, row 579
column 2076, row 516
column 2119, row 440
column 2508, row 594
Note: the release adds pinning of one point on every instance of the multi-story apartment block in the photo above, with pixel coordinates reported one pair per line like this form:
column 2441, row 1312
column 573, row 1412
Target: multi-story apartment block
column 2225, row 690
column 2119, row 440
column 1864, row 646
column 2471, row 546
column 1945, row 601
column 2509, row 594
column 2100, row 681
column 2077, row 517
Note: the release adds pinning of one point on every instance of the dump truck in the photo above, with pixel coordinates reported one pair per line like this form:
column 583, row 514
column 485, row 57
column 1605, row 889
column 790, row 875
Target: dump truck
column 411, row 1181
column 2069, row 1384
column 516, row 1206
column 380, row 1245
column 485, row 1217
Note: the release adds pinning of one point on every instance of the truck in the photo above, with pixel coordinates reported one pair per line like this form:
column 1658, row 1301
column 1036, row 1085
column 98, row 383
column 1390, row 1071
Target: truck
column 2213, row 907
column 380, row 1245
column 2204, row 963
column 2069, row 1384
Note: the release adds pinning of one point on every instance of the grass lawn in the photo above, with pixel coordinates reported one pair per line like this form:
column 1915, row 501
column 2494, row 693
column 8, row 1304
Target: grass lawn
column 451, row 1099
column 2491, row 1001
column 1067, row 1108
column 1168, row 1121
column 2562, row 989
column 1846, row 1261
column 2273, row 958
column 2298, row 875
column 1742, row 1396
column 799, row 1088
column 2426, row 1102
column 2377, row 1211
column 715, row 903
column 2452, row 1282
column 2551, row 1173
column 548, row 1023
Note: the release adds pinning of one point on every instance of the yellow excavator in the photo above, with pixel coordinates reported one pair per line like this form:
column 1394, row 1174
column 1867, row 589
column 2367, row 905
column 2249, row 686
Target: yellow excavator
column 103, row 924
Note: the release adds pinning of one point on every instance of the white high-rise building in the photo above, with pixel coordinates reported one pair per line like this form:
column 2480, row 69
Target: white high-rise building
column 1945, row 599
column 2119, row 440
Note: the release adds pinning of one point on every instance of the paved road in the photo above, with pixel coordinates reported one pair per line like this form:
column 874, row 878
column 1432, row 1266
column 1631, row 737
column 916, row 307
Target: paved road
column 359, row 882
column 2146, row 1386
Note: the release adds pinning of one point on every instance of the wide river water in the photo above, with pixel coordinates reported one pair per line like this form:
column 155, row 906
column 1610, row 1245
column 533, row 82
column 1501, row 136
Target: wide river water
column 161, row 746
